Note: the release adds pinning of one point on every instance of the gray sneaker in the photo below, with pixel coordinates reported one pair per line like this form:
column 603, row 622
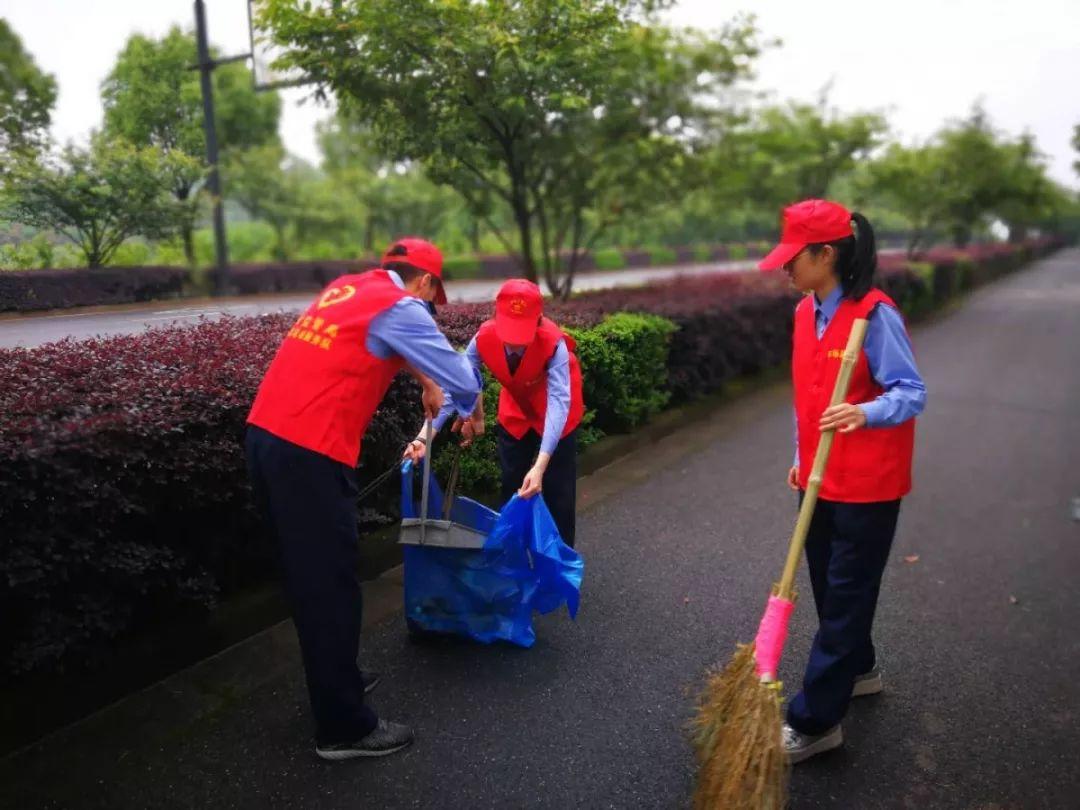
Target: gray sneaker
column 801, row 747
column 869, row 683
column 386, row 738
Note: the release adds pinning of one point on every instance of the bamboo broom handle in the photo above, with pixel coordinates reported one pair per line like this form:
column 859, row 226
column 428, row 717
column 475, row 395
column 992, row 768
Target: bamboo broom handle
column 821, row 458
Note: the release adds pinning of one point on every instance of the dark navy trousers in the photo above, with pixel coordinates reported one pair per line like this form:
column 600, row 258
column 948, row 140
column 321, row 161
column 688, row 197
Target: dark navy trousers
column 309, row 502
column 516, row 457
column 846, row 549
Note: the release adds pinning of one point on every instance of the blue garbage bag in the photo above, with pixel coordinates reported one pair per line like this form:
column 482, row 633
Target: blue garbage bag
column 489, row 594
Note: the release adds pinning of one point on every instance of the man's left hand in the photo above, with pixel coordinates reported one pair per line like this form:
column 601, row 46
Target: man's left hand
column 843, row 418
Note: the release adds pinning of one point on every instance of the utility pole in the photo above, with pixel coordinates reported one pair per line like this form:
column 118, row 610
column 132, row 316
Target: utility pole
column 206, row 67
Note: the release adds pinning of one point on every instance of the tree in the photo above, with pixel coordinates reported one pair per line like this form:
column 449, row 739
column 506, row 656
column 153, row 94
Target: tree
column 259, row 183
column 910, row 180
column 98, row 196
column 27, row 96
column 1028, row 196
column 1076, row 146
column 793, row 152
column 570, row 113
column 152, row 96
column 386, row 199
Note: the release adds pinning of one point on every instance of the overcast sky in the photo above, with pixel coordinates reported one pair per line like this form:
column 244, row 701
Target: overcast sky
column 921, row 61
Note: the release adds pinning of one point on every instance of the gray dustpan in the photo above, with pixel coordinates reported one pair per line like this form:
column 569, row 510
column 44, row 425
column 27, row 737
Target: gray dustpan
column 425, row 531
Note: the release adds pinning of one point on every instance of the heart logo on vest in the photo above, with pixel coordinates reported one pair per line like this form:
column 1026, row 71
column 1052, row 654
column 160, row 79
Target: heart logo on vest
column 335, row 295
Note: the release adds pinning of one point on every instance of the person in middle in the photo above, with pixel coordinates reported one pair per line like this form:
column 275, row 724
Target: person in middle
column 540, row 406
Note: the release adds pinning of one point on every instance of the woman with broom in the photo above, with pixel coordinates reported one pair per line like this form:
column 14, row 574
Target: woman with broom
column 830, row 254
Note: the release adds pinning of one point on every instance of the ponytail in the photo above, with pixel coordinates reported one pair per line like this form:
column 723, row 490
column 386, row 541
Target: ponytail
column 856, row 258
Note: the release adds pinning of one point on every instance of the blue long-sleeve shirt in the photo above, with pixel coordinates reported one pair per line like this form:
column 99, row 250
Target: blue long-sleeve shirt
column 407, row 330
column 891, row 360
column 558, row 393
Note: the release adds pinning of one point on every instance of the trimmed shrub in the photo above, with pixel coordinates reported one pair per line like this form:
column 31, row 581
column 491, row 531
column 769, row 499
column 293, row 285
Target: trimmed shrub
column 458, row 267
column 623, row 362
column 609, row 259
column 660, row 256
column 27, row 290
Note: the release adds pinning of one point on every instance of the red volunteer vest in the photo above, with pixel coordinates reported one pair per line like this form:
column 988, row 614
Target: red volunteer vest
column 323, row 386
column 870, row 464
column 523, row 400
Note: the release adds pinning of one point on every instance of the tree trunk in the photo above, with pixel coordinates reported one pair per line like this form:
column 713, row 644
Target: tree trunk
column 474, row 235
column 524, row 225
column 188, row 235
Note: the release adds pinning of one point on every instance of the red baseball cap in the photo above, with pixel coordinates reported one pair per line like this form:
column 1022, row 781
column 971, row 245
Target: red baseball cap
column 518, row 308
column 420, row 254
column 809, row 222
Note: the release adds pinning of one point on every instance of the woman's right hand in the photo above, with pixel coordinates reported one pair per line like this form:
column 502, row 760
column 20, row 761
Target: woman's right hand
column 793, row 478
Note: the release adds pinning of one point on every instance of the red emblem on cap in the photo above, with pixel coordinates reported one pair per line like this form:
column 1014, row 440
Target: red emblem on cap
column 517, row 306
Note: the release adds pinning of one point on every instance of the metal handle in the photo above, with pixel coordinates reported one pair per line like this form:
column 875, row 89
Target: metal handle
column 427, row 481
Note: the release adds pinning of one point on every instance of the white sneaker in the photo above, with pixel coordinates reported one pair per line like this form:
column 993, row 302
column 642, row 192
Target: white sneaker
column 800, row 747
column 869, row 683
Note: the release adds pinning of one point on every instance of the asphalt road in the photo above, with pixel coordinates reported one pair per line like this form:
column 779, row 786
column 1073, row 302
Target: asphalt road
column 35, row 329
column 977, row 626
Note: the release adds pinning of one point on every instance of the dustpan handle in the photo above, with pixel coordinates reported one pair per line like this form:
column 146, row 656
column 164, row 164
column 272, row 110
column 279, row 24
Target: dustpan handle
column 427, row 480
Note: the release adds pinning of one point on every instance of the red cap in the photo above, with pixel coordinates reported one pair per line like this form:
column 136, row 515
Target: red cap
column 518, row 308
column 809, row 222
column 420, row 254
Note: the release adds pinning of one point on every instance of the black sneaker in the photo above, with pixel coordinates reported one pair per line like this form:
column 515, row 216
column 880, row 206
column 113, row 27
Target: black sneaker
column 387, row 738
column 370, row 680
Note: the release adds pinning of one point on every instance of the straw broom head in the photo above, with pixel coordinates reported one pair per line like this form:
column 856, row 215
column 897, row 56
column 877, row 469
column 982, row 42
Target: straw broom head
column 737, row 736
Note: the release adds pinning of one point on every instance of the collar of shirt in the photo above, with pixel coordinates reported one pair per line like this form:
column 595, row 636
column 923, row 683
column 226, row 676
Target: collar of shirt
column 394, row 277
column 824, row 310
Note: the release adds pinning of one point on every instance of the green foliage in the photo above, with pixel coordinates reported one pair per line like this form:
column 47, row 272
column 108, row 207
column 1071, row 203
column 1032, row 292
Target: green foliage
column 609, row 259
column 478, row 473
column 544, row 95
column 659, row 256
column 790, row 153
column 151, row 96
column 458, row 267
column 97, row 197
column 738, row 252
column 29, row 255
column 133, row 253
column 27, row 96
column 624, row 366
column 702, row 253
column 1076, row 146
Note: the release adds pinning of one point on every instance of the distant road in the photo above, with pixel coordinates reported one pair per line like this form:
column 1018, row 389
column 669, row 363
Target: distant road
column 35, row 329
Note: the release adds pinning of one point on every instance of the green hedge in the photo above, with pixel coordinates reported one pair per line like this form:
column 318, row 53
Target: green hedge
column 459, row 267
column 609, row 259
column 625, row 383
column 626, row 360
column 662, row 256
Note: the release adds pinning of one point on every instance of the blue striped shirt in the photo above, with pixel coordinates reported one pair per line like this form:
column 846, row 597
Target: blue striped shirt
column 558, row 393
column 891, row 360
column 407, row 330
